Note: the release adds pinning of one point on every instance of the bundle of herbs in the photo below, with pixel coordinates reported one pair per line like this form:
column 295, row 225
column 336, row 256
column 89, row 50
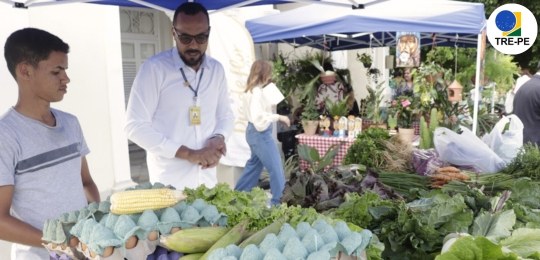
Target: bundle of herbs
column 526, row 163
column 489, row 183
column 368, row 148
column 405, row 184
column 397, row 155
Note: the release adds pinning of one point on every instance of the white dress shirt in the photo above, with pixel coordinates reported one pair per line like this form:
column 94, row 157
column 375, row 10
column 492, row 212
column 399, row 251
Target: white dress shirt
column 258, row 111
column 520, row 81
column 158, row 116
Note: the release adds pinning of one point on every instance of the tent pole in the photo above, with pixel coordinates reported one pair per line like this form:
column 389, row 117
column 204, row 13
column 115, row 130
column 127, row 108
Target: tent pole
column 479, row 61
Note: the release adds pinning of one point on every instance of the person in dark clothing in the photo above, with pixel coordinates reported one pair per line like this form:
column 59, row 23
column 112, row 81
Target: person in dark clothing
column 527, row 108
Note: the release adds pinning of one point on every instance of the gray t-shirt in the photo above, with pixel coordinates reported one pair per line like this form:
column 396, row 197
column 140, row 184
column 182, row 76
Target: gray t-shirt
column 44, row 165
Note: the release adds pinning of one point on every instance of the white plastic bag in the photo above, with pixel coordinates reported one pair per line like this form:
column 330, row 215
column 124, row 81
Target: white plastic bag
column 506, row 143
column 509, row 102
column 466, row 149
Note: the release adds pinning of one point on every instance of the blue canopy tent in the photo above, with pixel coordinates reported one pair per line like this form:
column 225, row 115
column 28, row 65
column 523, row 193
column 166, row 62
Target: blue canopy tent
column 440, row 22
column 162, row 5
column 342, row 28
column 167, row 6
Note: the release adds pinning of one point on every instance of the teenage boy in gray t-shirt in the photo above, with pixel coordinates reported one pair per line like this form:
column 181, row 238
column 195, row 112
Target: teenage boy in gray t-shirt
column 43, row 170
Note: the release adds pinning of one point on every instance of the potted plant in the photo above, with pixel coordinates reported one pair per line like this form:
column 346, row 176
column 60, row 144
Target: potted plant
column 338, row 108
column 405, row 109
column 365, row 59
column 297, row 78
column 425, row 79
column 310, row 119
column 392, row 123
column 373, row 106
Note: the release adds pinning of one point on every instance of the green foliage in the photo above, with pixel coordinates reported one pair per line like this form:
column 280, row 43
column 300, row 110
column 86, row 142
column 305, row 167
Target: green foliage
column 240, row 206
column 236, row 204
column 524, row 242
column 425, row 79
column 406, row 109
column 338, row 108
column 392, row 121
column 368, row 148
column 526, row 163
column 441, row 55
column 290, row 165
column 420, row 226
column 316, row 162
column 373, row 103
column 426, row 132
column 495, row 225
column 501, row 69
column 310, row 112
column 365, row 59
column 486, row 121
column 297, row 78
column 365, row 210
column 479, row 248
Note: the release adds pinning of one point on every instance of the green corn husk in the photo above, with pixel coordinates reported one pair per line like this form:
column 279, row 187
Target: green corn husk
column 233, row 237
column 258, row 237
column 193, row 240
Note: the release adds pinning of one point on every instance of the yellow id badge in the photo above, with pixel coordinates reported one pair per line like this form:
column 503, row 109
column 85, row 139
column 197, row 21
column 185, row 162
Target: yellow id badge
column 194, row 115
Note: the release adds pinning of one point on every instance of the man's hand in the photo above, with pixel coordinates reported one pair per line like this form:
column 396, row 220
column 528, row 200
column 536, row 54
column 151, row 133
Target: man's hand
column 215, row 148
column 208, row 156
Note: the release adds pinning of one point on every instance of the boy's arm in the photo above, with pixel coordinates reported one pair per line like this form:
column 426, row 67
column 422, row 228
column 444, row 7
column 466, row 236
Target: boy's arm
column 12, row 229
column 90, row 188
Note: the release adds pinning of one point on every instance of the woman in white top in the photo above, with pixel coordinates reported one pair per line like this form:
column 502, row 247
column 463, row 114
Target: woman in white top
column 264, row 152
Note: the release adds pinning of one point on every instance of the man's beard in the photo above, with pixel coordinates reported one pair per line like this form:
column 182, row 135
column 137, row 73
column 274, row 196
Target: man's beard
column 192, row 61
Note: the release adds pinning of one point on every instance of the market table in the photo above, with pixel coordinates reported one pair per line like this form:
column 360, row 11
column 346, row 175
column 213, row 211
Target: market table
column 322, row 143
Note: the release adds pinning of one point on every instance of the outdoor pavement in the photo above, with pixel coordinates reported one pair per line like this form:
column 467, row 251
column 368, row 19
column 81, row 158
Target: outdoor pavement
column 137, row 159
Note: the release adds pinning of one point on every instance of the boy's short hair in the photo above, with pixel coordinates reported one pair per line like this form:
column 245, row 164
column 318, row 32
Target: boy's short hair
column 31, row 45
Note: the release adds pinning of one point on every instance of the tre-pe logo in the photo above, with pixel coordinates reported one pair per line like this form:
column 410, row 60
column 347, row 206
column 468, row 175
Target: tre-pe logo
column 512, row 29
column 509, row 23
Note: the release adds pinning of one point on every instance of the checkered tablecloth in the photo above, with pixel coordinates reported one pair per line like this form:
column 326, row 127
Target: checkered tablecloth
column 322, row 144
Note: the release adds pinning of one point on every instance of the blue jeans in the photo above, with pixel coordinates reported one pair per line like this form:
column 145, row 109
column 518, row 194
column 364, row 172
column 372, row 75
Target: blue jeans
column 264, row 153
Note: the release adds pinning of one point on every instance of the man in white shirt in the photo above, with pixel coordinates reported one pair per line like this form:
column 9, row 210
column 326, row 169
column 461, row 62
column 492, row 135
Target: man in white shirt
column 179, row 108
column 525, row 75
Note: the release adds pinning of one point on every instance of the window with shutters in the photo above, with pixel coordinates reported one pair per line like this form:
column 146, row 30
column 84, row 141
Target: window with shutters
column 142, row 32
column 141, row 38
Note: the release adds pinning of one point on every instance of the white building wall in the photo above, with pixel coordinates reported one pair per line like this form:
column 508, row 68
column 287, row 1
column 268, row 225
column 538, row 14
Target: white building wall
column 95, row 94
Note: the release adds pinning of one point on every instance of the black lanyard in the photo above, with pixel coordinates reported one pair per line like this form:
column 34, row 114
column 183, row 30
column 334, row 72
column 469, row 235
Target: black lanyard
column 186, row 82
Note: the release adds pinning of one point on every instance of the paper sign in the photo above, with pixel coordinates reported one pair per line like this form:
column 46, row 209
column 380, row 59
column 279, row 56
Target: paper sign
column 272, row 94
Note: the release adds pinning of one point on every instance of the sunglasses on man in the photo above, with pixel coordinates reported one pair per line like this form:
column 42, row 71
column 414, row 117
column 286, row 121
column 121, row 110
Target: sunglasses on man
column 186, row 39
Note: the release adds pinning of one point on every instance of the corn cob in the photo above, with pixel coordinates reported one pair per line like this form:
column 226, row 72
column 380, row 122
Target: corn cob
column 259, row 236
column 193, row 240
column 137, row 201
column 235, row 235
